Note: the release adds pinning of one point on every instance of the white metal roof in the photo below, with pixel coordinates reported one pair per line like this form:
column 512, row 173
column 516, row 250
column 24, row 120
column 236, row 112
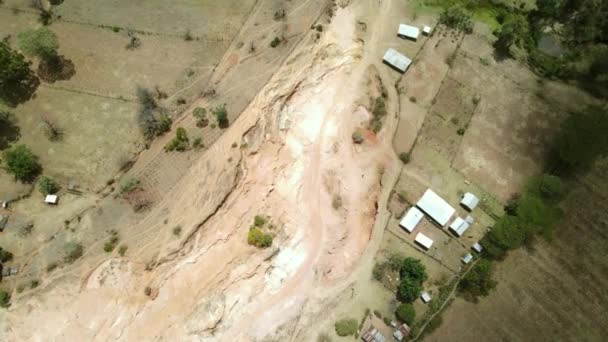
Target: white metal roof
column 467, row 258
column 426, row 29
column 394, row 58
column 424, row 240
column 436, row 207
column 411, row 219
column 52, row 199
column 398, row 335
column 408, row 31
column 426, row 297
column 469, row 201
column 477, row 247
column 459, row 226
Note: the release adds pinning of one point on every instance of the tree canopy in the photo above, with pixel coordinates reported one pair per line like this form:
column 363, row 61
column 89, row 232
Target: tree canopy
column 40, row 42
column 406, row 313
column 413, row 269
column 16, row 79
column 478, row 281
column 22, row 163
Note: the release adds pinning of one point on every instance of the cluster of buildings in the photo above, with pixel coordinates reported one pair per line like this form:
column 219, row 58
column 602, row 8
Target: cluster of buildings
column 398, row 60
column 440, row 212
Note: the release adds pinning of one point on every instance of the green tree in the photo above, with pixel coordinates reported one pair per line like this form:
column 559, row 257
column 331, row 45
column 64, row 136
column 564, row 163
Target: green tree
column 40, row 42
column 582, row 139
column 17, row 81
column 345, row 327
column 478, row 281
column 222, row 116
column 22, row 163
column 406, row 313
column 458, row 18
column 513, row 34
column 413, row 269
column 409, row 290
column 47, row 186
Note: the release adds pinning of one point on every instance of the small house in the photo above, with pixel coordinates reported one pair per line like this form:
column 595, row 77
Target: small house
column 477, row 247
column 426, row 297
column 424, row 241
column 411, row 219
column 467, row 258
column 51, row 199
column 408, row 31
column 426, row 30
column 373, row 335
column 459, row 226
column 401, row 332
column 396, row 60
column 469, row 201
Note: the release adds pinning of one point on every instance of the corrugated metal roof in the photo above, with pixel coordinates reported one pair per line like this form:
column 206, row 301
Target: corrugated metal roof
column 436, row 207
column 424, row 240
column 397, row 60
column 408, row 31
column 469, row 201
column 411, row 219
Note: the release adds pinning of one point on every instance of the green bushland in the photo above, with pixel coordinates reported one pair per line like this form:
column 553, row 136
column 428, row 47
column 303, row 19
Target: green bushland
column 40, row 42
column 346, row 327
column 129, row 185
column 22, row 163
column 5, row 255
column 112, row 242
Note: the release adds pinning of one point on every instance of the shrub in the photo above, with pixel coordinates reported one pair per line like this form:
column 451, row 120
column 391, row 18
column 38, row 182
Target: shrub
column 336, row 201
column 51, row 267
column 164, row 124
column 259, row 220
column 20, row 288
column 180, row 142
column 188, row 36
column 222, row 116
column 377, row 313
column 460, row 131
column 358, row 137
column 478, row 281
column 122, row 250
column 5, row 255
column 404, row 157
column 345, row 327
column 111, row 243
column 458, row 18
column 197, row 142
column 413, row 99
column 177, row 230
column 34, row 283
column 148, row 291
column 47, row 186
column 5, row 298
column 200, row 114
column 279, row 15
column 275, row 42
column 258, row 238
column 129, row 185
column 406, row 313
column 22, row 163
column 180, row 101
column 319, row 28
column 476, row 99
column 73, row 251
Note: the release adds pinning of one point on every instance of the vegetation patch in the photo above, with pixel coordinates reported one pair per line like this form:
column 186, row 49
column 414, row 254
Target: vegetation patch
column 258, row 234
column 346, row 327
column 180, row 142
column 73, row 251
column 5, row 298
column 478, row 281
column 112, row 242
column 47, row 186
column 22, row 163
column 378, row 113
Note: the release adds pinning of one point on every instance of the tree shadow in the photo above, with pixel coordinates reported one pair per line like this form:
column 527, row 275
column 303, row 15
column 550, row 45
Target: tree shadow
column 9, row 131
column 18, row 92
column 55, row 69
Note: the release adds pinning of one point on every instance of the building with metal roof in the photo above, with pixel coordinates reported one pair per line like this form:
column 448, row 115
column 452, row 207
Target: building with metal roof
column 477, row 247
column 424, row 241
column 469, row 201
column 396, row 60
column 426, row 297
column 411, row 219
column 459, row 226
column 436, row 207
column 467, row 258
column 408, row 31
column 51, row 199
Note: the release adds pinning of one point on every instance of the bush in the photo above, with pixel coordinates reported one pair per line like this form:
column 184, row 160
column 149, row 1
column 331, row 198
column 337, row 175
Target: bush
column 222, row 116
column 47, row 186
column 5, row 299
column 458, row 18
column 51, row 267
column 200, row 114
column 406, row 313
column 111, row 243
column 129, row 185
column 259, row 220
column 73, row 251
column 275, row 42
column 122, row 250
column 180, row 142
column 404, row 157
column 177, row 230
column 377, row 313
column 34, row 283
column 345, row 327
column 5, row 255
column 22, row 163
column 164, row 124
column 336, row 202
column 258, row 238
column 413, row 99
column 197, row 142
column 358, row 137
column 378, row 271
column 478, row 281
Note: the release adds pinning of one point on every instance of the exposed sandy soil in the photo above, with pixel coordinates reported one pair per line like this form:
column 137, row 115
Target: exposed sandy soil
column 210, row 285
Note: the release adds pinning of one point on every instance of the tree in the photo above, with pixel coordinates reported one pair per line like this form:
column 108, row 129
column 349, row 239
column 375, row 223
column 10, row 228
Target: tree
column 406, row 313
column 222, row 116
column 513, row 34
column 413, row 269
column 5, row 255
column 180, row 143
column 5, row 299
column 40, row 42
column 47, row 186
column 345, row 327
column 458, row 18
column 582, row 139
column 547, row 186
column 22, row 163
column 409, row 290
column 17, row 81
column 478, row 281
